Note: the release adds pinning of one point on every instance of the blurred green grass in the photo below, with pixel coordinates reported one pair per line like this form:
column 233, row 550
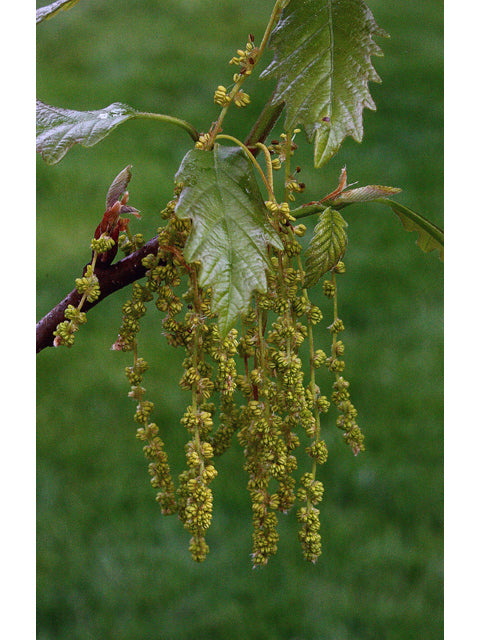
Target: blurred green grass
column 109, row 565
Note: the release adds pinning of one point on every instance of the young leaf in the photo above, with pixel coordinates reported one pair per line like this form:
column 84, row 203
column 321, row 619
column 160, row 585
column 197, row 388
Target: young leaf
column 326, row 247
column 363, row 194
column 342, row 185
column 430, row 237
column 44, row 13
column 322, row 61
column 230, row 230
column 118, row 186
column 59, row 129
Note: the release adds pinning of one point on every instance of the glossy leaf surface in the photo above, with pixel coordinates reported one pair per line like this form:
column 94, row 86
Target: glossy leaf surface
column 59, row 129
column 364, row 194
column 322, row 62
column 326, row 247
column 118, row 186
column 44, row 13
column 230, row 229
column 430, row 237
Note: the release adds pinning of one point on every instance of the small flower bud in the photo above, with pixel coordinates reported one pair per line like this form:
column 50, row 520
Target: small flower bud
column 319, row 358
column 329, row 288
column 241, row 99
column 337, row 326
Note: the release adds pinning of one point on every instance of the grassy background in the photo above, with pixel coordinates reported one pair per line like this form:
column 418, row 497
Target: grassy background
column 109, row 565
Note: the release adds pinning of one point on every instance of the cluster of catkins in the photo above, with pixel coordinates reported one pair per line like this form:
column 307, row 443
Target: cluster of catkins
column 250, row 386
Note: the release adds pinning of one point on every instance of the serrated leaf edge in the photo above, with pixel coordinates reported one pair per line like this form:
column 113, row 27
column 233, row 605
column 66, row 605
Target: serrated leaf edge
column 312, row 259
column 46, row 133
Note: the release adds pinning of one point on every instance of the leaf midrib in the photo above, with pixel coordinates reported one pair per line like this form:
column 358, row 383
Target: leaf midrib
column 332, row 44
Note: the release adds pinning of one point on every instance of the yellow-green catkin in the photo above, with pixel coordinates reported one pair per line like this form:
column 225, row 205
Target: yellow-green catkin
column 148, row 433
column 147, row 430
column 298, row 316
column 245, row 59
column 223, row 353
column 346, row 421
column 266, row 455
column 88, row 287
column 194, row 493
column 255, row 382
column 132, row 310
column 310, row 492
column 128, row 243
column 259, row 437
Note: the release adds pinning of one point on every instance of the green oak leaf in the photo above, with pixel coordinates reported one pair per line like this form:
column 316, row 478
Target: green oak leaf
column 230, row 228
column 118, row 186
column 44, row 13
column 327, row 246
column 59, row 129
column 322, row 62
column 364, row 194
column 430, row 237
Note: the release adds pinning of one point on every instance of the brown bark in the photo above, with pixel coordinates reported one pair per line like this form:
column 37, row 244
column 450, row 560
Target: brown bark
column 111, row 278
column 114, row 277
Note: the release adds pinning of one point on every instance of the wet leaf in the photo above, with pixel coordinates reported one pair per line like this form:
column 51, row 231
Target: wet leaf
column 44, row 13
column 230, row 229
column 59, row 129
column 326, row 247
column 363, row 194
column 430, row 237
column 119, row 186
column 322, row 62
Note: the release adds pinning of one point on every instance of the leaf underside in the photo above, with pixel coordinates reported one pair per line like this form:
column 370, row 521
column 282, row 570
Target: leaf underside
column 44, row 13
column 430, row 237
column 326, row 247
column 230, row 229
column 118, row 186
column 322, row 61
column 59, row 129
column 364, row 194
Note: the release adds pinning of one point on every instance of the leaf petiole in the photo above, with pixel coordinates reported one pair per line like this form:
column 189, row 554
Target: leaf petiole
column 306, row 210
column 268, row 160
column 279, row 5
column 183, row 124
column 251, row 157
